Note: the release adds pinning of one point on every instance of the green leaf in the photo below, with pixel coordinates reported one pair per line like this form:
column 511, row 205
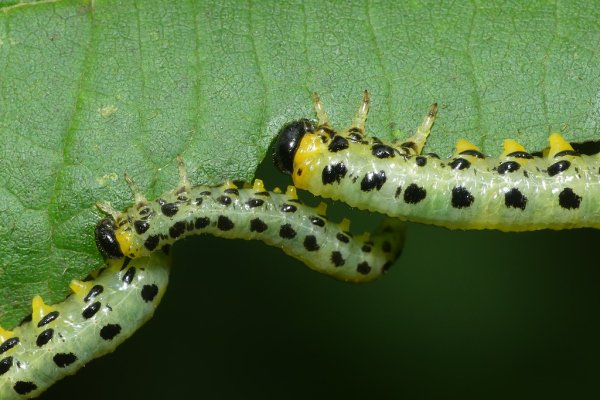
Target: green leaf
column 92, row 90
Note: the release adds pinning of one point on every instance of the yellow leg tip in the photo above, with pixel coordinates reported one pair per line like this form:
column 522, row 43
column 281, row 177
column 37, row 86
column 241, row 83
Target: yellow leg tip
column 558, row 144
column 463, row 145
column 277, row 190
column 39, row 309
column 5, row 335
column 258, row 185
column 77, row 286
column 321, row 209
column 292, row 192
column 345, row 225
column 229, row 185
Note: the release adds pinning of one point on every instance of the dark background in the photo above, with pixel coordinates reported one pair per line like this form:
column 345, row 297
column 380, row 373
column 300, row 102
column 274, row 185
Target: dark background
column 469, row 314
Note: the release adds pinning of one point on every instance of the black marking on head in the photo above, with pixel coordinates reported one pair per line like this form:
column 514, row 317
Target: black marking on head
column 152, row 242
column 5, row 365
column 95, row 291
column 566, row 153
column 51, row 316
column 106, row 239
column 398, row 192
column 310, row 243
column 91, row 310
column 202, row 222
column 373, row 180
column 257, row 225
column 363, row 268
column 337, row 259
column 421, row 161
column 333, row 173
column 63, row 360
column 514, row 198
column 366, row 249
column 149, row 292
column 288, row 208
column 317, row 221
column 509, row 166
column 557, row 167
column 177, row 229
column 109, row 331
column 23, row 388
column 129, row 275
column 568, row 199
column 338, row 143
column 382, row 151
column 461, row 197
column 224, row 223
column 9, row 344
column 253, row 203
column 44, row 337
column 433, row 155
column 224, row 200
column 520, row 154
column 414, row 194
column 460, row 163
column 232, row 191
column 169, row 209
column 342, row 238
column 288, row 141
column 287, row 232
column 141, row 227
column 386, row 246
column 472, row 153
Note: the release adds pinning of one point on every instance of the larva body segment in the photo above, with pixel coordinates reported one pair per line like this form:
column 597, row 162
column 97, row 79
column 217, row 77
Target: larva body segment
column 55, row 341
column 513, row 192
column 278, row 219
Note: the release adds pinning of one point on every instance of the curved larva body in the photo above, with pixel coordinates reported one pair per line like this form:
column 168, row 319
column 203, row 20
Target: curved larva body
column 513, row 192
column 55, row 341
column 278, row 219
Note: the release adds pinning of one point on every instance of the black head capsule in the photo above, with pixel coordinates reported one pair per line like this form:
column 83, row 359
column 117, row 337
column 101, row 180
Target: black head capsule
column 106, row 239
column 288, row 140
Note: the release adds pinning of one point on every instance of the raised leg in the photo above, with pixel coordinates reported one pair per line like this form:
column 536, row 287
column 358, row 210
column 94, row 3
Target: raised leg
column 361, row 116
column 321, row 114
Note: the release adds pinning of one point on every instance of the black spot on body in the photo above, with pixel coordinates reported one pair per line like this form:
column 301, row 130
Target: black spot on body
column 386, row 267
column 472, row 153
column 514, row 198
column 433, row 155
column 177, row 229
column 460, row 163
column 310, row 243
column 224, row 223
column 337, row 259
column 363, row 268
column 386, row 246
column 333, row 173
column 51, row 316
column 373, row 180
column 224, row 200
column 288, row 208
column 382, row 151
column 198, row 201
column 109, row 331
column 558, row 167
column 461, row 197
column 44, row 337
column 169, row 209
column 287, row 232
column 205, row 193
column 264, row 194
column 317, row 221
column 568, row 199
column 232, row 191
column 64, row 359
column 202, row 222
column 29, row 317
column 152, row 242
column 366, row 249
column 421, row 161
column 338, row 143
column 91, row 310
column 9, row 344
column 509, row 166
column 256, row 225
column 149, row 292
column 520, row 154
column 253, row 203
column 414, row 194
column 398, row 192
column 342, row 238
column 95, row 291
column 23, row 388
column 141, row 226
column 566, row 153
column 129, row 275
column 5, row 365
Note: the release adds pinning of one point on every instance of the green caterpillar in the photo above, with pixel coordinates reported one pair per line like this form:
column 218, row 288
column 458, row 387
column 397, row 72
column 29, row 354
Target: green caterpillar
column 513, row 192
column 103, row 310
column 278, row 219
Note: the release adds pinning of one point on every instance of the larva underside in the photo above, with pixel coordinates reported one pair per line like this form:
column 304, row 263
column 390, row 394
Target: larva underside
column 278, row 219
column 55, row 341
column 513, row 192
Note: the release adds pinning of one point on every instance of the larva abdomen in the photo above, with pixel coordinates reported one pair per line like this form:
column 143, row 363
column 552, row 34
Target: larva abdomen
column 55, row 341
column 513, row 192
